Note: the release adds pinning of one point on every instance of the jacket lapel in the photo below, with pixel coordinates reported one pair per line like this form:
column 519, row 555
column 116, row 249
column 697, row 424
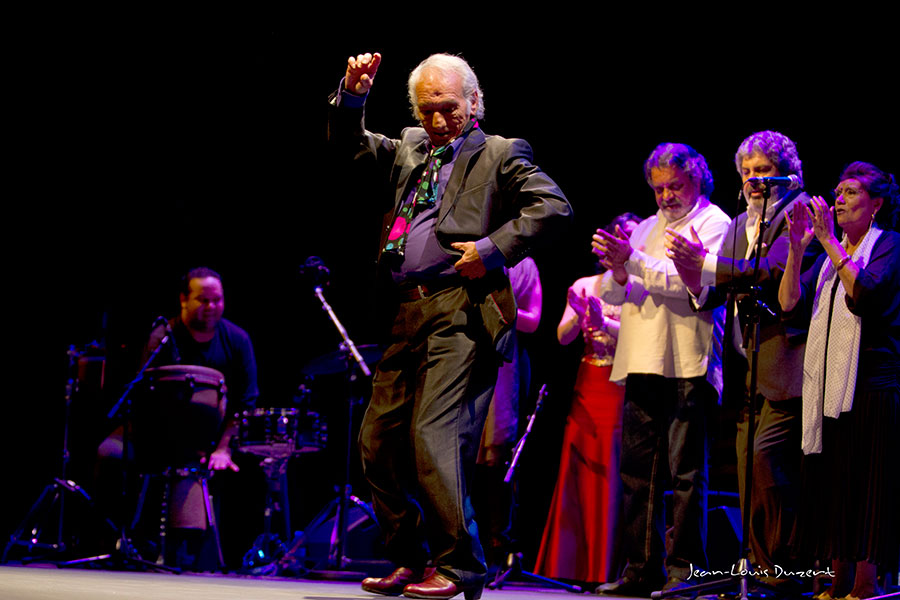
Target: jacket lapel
column 773, row 230
column 413, row 165
column 740, row 236
column 775, row 224
column 472, row 144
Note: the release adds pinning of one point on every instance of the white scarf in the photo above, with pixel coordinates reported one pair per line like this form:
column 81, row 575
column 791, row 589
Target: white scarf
column 828, row 388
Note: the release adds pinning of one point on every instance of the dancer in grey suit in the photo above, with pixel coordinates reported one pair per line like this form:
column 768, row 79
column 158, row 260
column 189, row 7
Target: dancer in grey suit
column 485, row 206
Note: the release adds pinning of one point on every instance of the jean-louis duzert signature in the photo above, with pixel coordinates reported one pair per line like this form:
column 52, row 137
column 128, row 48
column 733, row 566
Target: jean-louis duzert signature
column 776, row 571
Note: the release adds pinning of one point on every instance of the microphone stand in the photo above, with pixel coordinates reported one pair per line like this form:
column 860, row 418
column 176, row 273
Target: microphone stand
column 745, row 575
column 336, row 551
column 126, row 554
column 514, row 560
column 349, row 343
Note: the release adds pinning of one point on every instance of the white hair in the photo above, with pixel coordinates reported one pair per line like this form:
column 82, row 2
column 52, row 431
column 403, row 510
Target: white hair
column 447, row 63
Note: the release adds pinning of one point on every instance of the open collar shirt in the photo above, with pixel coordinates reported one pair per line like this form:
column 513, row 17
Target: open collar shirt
column 660, row 333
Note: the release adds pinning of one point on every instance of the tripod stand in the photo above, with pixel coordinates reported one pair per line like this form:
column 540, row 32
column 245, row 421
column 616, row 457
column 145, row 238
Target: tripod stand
column 268, row 547
column 54, row 494
column 125, row 555
column 514, row 559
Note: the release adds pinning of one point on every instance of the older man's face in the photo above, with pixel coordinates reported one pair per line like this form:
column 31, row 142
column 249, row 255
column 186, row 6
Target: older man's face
column 442, row 108
column 676, row 193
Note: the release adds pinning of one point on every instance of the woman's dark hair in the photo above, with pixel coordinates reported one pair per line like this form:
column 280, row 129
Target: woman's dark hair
column 620, row 221
column 877, row 184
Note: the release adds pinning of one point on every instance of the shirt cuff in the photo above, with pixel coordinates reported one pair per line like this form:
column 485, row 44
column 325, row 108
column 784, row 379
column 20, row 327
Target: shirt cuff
column 708, row 272
column 348, row 99
column 634, row 264
column 490, row 255
column 631, row 290
column 700, row 299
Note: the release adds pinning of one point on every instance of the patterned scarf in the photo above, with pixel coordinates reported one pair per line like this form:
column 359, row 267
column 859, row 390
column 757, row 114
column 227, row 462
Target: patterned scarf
column 832, row 349
column 425, row 194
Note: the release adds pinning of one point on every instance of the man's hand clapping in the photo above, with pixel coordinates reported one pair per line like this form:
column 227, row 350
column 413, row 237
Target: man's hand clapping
column 614, row 251
column 688, row 256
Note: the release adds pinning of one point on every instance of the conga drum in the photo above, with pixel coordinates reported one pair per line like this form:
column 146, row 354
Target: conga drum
column 178, row 416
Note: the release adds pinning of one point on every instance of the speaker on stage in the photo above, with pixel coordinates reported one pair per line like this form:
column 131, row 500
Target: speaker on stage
column 310, row 552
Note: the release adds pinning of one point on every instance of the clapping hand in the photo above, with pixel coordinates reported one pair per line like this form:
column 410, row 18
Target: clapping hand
column 682, row 250
column 822, row 219
column 595, row 306
column 798, row 223
column 578, row 302
column 613, row 250
column 688, row 256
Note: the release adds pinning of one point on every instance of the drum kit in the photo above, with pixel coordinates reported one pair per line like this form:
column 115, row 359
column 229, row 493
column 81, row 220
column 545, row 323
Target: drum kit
column 281, row 432
column 276, row 435
column 174, row 421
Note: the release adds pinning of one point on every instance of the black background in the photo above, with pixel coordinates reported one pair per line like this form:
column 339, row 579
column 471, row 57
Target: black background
column 139, row 151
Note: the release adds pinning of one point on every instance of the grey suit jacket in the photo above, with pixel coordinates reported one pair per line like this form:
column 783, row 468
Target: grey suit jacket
column 782, row 344
column 494, row 191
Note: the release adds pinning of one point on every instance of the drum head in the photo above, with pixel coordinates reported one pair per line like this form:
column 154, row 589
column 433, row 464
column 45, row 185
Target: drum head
column 204, row 376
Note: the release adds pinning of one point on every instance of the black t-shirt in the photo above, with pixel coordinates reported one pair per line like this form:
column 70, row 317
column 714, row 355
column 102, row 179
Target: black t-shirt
column 229, row 352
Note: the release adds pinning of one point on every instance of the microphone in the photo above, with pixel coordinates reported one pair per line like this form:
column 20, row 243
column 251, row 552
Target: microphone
column 314, row 268
column 176, row 356
column 169, row 337
column 791, row 182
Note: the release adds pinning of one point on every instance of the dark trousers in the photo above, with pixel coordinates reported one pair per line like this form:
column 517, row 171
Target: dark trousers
column 776, row 475
column 420, row 434
column 665, row 446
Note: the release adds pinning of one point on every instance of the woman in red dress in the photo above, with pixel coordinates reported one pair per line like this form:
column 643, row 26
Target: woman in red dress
column 579, row 540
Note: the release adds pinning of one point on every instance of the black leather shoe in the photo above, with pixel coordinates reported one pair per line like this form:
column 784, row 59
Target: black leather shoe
column 438, row 587
column 625, row 586
column 393, row 584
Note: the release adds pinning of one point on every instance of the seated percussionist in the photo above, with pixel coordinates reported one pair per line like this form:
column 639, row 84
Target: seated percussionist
column 168, row 435
column 200, row 336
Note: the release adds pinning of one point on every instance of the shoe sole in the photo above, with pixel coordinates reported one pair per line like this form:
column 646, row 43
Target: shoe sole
column 382, row 592
column 469, row 595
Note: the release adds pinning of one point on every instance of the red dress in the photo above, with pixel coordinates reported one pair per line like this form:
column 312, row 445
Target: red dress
column 580, row 538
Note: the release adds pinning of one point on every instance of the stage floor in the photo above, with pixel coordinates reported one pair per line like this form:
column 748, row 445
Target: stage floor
column 51, row 583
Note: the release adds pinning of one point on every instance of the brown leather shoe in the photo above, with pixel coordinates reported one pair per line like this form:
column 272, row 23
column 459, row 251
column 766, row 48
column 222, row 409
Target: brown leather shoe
column 438, row 587
column 393, row 584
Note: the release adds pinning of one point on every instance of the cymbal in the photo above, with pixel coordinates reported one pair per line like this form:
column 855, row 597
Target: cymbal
column 336, row 362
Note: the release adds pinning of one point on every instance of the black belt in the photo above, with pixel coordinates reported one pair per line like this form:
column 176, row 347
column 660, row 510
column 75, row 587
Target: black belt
column 407, row 293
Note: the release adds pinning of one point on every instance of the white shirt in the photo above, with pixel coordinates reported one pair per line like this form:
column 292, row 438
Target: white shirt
column 660, row 334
